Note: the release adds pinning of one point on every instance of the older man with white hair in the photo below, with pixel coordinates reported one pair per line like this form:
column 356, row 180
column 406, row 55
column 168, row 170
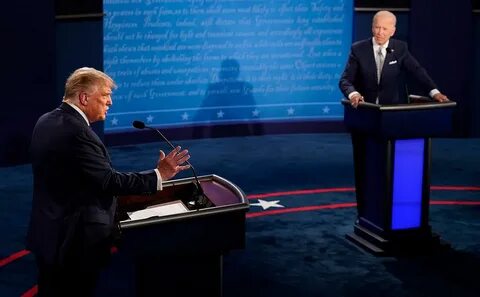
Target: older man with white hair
column 375, row 67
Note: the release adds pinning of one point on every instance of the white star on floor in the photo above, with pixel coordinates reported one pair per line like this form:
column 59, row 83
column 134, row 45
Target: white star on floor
column 114, row 121
column 185, row 116
column 220, row 114
column 267, row 204
column 150, row 118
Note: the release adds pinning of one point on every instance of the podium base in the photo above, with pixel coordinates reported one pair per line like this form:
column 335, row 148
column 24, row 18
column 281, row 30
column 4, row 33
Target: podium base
column 406, row 245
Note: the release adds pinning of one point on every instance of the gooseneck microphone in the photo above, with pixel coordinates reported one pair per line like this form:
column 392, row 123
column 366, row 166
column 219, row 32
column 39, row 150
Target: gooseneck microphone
column 200, row 200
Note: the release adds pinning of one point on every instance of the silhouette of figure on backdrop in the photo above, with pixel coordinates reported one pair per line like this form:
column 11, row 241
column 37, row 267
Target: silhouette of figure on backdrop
column 229, row 106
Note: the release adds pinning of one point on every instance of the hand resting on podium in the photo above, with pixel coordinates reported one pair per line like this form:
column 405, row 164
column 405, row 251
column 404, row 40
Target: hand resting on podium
column 439, row 97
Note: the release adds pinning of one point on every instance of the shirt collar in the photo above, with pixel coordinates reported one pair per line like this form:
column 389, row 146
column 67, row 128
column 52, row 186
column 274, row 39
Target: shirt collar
column 376, row 45
column 79, row 111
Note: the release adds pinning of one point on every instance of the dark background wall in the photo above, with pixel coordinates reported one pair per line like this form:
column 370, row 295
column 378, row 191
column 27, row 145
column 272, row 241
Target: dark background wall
column 42, row 43
column 27, row 75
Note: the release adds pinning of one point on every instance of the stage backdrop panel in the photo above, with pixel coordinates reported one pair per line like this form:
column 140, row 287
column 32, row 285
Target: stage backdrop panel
column 191, row 62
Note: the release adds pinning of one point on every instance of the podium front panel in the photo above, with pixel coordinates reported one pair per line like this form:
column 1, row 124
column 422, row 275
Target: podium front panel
column 407, row 185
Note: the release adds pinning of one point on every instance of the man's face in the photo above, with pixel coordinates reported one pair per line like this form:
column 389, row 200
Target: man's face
column 383, row 28
column 98, row 102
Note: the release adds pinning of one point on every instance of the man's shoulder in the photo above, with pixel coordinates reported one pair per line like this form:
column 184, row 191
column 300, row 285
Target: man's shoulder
column 362, row 43
column 397, row 44
column 61, row 119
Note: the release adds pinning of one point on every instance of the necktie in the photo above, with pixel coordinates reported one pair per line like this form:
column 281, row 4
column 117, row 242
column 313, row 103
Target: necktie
column 380, row 59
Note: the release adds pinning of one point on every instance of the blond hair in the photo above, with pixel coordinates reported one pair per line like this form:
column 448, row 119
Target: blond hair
column 86, row 79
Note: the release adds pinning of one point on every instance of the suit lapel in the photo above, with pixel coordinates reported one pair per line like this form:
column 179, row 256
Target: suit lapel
column 389, row 56
column 371, row 59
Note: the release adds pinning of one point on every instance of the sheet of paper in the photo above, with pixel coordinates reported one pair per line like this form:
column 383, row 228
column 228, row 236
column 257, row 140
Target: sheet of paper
column 159, row 210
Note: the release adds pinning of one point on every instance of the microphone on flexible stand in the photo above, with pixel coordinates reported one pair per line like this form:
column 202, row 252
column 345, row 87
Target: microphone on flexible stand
column 200, row 199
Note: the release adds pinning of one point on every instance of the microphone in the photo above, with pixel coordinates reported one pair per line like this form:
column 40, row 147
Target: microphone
column 200, row 199
column 389, row 50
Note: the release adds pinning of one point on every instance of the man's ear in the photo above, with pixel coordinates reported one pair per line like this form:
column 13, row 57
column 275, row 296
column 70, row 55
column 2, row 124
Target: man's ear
column 83, row 98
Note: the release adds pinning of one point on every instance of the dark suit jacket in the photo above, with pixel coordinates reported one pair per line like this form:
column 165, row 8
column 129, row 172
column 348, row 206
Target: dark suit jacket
column 360, row 73
column 74, row 188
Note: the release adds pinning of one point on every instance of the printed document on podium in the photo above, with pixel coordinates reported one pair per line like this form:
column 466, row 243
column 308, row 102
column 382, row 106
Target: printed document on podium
column 159, row 210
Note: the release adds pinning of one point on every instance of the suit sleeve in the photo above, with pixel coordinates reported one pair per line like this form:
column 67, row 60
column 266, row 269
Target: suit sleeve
column 347, row 79
column 414, row 69
column 97, row 172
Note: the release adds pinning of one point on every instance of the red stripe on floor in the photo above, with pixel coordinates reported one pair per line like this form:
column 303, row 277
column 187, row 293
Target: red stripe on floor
column 350, row 189
column 454, row 188
column 13, row 257
column 300, row 192
column 299, row 209
column 30, row 293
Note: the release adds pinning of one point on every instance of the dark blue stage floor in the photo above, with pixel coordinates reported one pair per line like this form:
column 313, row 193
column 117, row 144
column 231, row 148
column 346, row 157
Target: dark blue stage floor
column 301, row 194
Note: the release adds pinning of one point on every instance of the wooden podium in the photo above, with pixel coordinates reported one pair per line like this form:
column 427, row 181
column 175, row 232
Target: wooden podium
column 391, row 151
column 179, row 252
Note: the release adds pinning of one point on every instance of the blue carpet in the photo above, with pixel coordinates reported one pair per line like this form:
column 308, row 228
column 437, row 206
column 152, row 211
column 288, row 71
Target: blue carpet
column 303, row 253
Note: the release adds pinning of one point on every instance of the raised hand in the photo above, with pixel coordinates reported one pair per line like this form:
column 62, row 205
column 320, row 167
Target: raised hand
column 171, row 164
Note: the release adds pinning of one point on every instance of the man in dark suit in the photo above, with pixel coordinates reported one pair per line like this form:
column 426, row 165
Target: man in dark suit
column 374, row 73
column 376, row 66
column 74, row 188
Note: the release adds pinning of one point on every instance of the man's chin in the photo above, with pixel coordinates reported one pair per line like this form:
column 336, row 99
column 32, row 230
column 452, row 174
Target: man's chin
column 102, row 118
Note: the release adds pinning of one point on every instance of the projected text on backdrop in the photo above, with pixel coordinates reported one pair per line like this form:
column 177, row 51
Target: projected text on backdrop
column 180, row 63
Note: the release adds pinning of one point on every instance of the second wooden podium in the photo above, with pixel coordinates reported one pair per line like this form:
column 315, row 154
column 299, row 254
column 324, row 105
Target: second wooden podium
column 177, row 249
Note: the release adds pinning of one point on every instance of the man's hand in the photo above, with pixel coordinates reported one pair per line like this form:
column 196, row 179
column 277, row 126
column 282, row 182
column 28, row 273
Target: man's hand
column 171, row 164
column 355, row 99
column 440, row 97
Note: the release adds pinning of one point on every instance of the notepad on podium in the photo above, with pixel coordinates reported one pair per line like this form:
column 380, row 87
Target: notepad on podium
column 159, row 210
